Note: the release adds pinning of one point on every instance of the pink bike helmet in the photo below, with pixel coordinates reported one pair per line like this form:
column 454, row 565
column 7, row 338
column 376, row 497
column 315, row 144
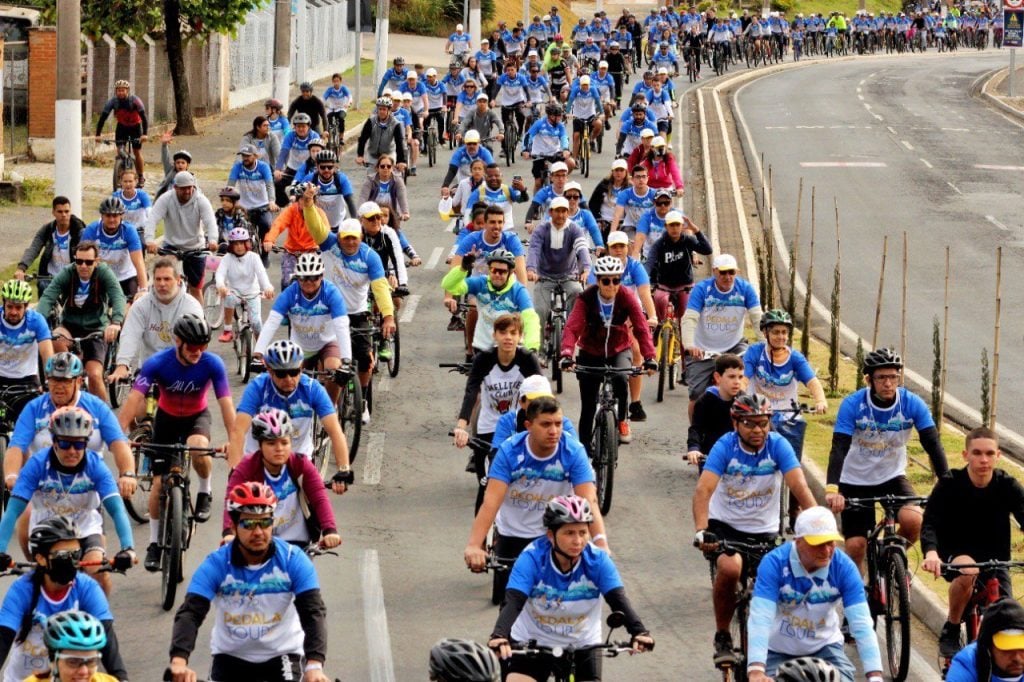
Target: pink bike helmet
column 567, row 509
column 271, row 424
column 238, row 234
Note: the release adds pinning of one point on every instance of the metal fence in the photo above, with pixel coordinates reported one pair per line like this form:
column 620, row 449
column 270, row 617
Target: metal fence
column 15, row 98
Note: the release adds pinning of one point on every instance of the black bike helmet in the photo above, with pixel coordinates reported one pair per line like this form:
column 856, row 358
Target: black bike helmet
column 49, row 532
column 750, row 405
column 192, row 329
column 806, row 669
column 461, row 660
column 553, row 109
column 326, row 156
column 112, row 206
column 502, row 256
column 776, row 316
column 638, row 108
column 881, row 359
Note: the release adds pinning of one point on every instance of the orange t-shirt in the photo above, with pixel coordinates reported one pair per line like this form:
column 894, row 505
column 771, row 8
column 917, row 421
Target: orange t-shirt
column 292, row 221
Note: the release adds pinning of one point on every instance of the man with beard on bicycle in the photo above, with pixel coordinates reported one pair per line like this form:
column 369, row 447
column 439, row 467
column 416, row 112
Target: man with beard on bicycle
column 24, row 343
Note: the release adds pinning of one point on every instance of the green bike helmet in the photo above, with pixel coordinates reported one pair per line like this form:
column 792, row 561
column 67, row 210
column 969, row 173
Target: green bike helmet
column 776, row 316
column 16, row 291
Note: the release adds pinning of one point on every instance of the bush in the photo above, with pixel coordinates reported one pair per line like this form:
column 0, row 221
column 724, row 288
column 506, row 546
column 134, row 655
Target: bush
column 782, row 5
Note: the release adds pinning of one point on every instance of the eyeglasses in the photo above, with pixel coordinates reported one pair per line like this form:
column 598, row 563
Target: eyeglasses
column 70, row 444
column 310, row 278
column 499, row 271
column 72, row 554
column 385, row 167
column 282, row 373
column 662, row 203
column 85, row 261
column 887, row 378
column 76, row 662
column 607, row 281
column 253, row 524
column 752, row 424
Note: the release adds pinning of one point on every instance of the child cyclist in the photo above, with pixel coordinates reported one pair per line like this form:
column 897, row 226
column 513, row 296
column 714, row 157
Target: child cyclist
column 73, row 643
column 303, row 512
column 229, row 216
column 241, row 275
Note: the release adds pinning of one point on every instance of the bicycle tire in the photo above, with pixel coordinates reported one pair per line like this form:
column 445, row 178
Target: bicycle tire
column 556, row 345
column 212, row 308
column 585, row 154
column 368, row 396
column 246, row 355
column 321, row 447
column 783, row 503
column 350, row 412
column 394, row 362
column 172, row 539
column 5, row 494
column 664, row 340
column 609, row 435
column 675, row 353
column 897, row 614
column 118, row 391
column 137, row 505
column 742, row 613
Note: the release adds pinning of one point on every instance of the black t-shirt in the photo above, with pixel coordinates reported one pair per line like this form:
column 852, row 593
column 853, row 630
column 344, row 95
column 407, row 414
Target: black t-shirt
column 961, row 518
column 711, row 420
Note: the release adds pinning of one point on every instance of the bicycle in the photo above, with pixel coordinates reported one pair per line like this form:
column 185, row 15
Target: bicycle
column 334, row 141
column 124, row 161
column 8, row 395
column 392, row 344
column 511, row 140
column 242, row 338
column 566, row 672
column 668, row 350
column 786, row 498
column 350, row 410
column 605, row 438
column 137, row 505
column 177, row 514
column 556, row 326
column 888, row 588
column 432, row 141
column 584, row 158
column 118, row 391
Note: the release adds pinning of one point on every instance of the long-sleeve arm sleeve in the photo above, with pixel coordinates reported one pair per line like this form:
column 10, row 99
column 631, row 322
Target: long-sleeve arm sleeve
column 837, row 457
column 933, row 446
column 186, row 625
column 116, row 509
column 455, row 282
column 114, row 293
column 32, row 252
column 270, row 327
column 316, row 224
column 313, row 618
column 111, row 654
column 759, row 625
column 476, row 376
column 131, row 334
column 618, row 601
column 382, row 294
column 344, row 337
column 514, row 603
column 316, row 494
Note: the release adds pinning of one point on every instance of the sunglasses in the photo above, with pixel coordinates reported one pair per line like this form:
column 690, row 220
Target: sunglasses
column 72, row 554
column 385, row 167
column 755, row 424
column 310, row 278
column 253, row 524
column 610, row 280
column 85, row 261
column 76, row 662
column 195, row 347
column 662, row 203
column 70, row 444
column 499, row 271
column 282, row 373
column 327, row 167
column 573, row 197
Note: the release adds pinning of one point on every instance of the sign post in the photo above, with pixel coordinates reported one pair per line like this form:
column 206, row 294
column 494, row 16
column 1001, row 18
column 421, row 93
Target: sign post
column 1013, row 36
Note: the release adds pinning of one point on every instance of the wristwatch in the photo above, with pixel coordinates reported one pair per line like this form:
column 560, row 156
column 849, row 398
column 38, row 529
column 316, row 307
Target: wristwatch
column 128, row 474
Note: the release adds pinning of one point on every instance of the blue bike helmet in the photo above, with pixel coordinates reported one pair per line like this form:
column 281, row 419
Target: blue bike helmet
column 63, row 366
column 74, row 631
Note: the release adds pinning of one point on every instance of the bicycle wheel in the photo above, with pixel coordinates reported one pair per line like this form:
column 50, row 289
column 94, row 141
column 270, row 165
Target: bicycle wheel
column 897, row 614
column 664, row 350
column 675, row 352
column 395, row 343
column 350, row 412
column 606, row 447
column 321, row 447
column 246, row 355
column 138, row 504
column 432, row 145
column 212, row 308
column 172, row 538
column 5, row 494
column 742, row 613
column 556, row 345
column 118, row 391
column 585, row 155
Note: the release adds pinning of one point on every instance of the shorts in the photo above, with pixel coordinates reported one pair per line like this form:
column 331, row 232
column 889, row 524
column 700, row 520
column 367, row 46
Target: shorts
column 123, row 133
column 723, row 531
column 579, row 123
column 1001, row 575
column 543, row 666
column 227, row 668
column 194, row 269
column 330, row 350
column 168, row 429
column 360, row 341
column 700, row 373
column 92, row 543
column 130, row 287
column 92, row 349
column 665, row 126
column 857, row 523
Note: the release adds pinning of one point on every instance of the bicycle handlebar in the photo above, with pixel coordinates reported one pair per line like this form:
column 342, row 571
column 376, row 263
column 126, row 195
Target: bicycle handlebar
column 475, row 442
column 991, row 565
column 887, row 501
column 460, row 367
column 601, row 371
column 79, row 339
column 606, row 649
column 179, row 447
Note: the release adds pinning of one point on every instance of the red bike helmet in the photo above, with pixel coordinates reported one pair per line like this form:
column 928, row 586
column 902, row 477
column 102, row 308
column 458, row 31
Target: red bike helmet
column 252, row 498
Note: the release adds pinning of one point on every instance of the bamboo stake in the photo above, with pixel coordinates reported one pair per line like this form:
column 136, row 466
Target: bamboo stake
column 881, row 286
column 945, row 341
column 796, row 250
column 903, row 306
column 805, row 340
column 995, row 343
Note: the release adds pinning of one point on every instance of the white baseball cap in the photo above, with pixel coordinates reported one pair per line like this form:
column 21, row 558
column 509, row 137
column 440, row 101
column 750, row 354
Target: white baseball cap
column 559, row 202
column 617, row 237
column 459, row 27
column 559, row 166
column 817, row 526
column 369, row 208
column 535, row 386
column 646, row 132
column 412, row 75
column 662, row 70
column 472, row 136
column 584, row 80
column 482, row 97
column 673, row 217
column 620, row 163
column 602, row 64
column 406, row 96
column 485, row 40
column 658, row 141
column 724, row 261
column 431, row 71
column 573, row 185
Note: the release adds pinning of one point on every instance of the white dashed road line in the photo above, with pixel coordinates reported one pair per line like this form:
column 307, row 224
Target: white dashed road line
column 907, row 145
column 409, row 309
column 374, row 458
column 984, row 166
column 842, row 164
column 925, row 162
column 954, row 187
column 375, row 620
column 435, row 258
column 891, row 129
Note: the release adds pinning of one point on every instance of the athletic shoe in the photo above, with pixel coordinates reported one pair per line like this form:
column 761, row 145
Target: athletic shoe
column 636, row 412
column 366, row 414
column 724, row 654
column 949, row 640
column 226, row 336
column 625, row 435
column 153, row 553
column 202, row 513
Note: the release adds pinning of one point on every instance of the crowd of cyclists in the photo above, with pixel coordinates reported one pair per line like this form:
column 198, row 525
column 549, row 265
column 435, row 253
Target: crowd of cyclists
column 114, row 343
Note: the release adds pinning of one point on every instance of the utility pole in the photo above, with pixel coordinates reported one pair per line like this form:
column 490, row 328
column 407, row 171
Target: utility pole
column 357, row 94
column 282, row 50
column 526, row 15
column 380, row 63
column 474, row 21
column 67, row 179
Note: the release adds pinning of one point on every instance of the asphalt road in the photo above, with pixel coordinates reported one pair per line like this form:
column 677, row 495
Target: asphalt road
column 903, row 147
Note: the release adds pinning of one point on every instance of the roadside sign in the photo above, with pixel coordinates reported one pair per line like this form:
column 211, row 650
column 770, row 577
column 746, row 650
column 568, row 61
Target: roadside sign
column 1013, row 23
column 1013, row 4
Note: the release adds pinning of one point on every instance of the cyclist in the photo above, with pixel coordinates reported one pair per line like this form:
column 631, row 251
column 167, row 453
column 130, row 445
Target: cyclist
column 54, row 586
column 189, row 227
column 599, row 324
column 461, row 660
column 290, row 646
column 24, row 343
column 436, row 102
column 631, row 203
column 512, row 96
column 793, row 612
column 337, row 99
column 383, row 239
column 120, row 247
column 137, row 202
column 382, row 135
column 493, row 236
column 92, row 301
column 459, row 44
column 148, row 325
column 558, row 251
column 951, row 534
column 670, row 262
column 580, row 214
column 712, row 413
column 312, row 106
column 229, row 216
column 290, row 475
column 173, row 164
column 241, row 276
column 636, row 124
column 869, row 449
column 68, row 479
column 484, row 120
column 494, row 192
column 266, row 145
column 713, row 321
column 545, row 585
column 773, row 369
column 132, row 123
column 585, row 107
column 54, row 243
column 998, row 653
column 737, row 498
column 558, row 180
column 651, row 224
column 546, row 141
column 183, row 374
column 255, row 184
column 297, row 221
column 82, row 637
column 393, row 77
column 335, row 194
column 463, row 157
column 279, row 124
column 294, row 152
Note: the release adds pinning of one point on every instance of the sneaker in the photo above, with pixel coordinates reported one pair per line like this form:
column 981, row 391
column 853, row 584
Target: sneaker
column 625, row 435
column 384, row 354
column 366, row 414
column 412, row 171
column 226, row 336
column 949, row 640
column 636, row 412
column 724, row 653
column 471, row 464
column 142, row 181
column 152, row 563
column 202, row 512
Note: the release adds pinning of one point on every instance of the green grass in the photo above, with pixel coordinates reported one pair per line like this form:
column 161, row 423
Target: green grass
column 35, row 192
column 824, row 7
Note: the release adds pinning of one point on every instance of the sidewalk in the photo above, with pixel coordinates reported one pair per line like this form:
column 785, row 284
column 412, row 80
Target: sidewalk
column 998, row 88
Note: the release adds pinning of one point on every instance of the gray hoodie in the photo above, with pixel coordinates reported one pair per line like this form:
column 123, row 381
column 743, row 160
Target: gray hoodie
column 148, row 327
column 187, row 226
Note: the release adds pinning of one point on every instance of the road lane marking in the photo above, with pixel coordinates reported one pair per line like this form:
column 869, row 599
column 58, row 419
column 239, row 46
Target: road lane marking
column 842, row 164
column 374, row 458
column 862, row 83
column 907, row 145
column 375, row 620
column 891, row 129
column 957, row 130
column 954, row 187
column 860, row 97
column 925, row 162
column 409, row 309
column 983, row 166
column 435, row 258
column 992, row 219
column 385, row 383
column 877, row 117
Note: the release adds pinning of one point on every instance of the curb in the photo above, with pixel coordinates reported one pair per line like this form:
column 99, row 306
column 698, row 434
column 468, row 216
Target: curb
column 980, row 88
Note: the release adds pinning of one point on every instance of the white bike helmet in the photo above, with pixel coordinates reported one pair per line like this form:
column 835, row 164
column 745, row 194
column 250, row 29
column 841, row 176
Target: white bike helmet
column 608, row 266
column 309, row 265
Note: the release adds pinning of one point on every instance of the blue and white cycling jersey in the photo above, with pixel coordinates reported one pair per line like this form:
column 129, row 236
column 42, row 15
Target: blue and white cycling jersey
column 280, row 127
column 747, row 496
column 331, row 196
column 513, row 45
column 537, row 30
column 453, row 83
column 721, row 313
column 295, row 150
column 487, row 61
column 252, row 184
column 32, row 431
column 605, row 85
column 545, row 139
column 336, row 99
column 634, row 204
column 652, row 225
column 19, row 345
column 666, row 59
column 404, row 116
column 417, row 95
column 436, row 94
column 352, row 274
column 511, row 91
column 632, row 131
column 546, row 193
column 537, row 89
column 84, row 594
column 391, row 79
column 256, row 618
column 533, row 482
column 468, row 103
column 585, row 219
column 476, row 242
column 308, row 398
column 659, row 101
column 589, row 51
column 777, row 382
column 136, row 209
column 580, row 34
column 503, row 197
column 562, row 609
column 879, row 435
column 460, row 42
column 491, row 304
column 585, row 104
column 314, row 323
column 116, row 249
column 462, row 159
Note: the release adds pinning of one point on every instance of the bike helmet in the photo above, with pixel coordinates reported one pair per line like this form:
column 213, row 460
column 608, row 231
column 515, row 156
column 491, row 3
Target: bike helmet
column 192, row 329
column 273, row 104
column 608, row 266
column 70, row 422
column 638, row 109
column 16, row 291
column 182, row 154
column 461, row 660
column 238, row 234
column 300, row 118
column 501, row 256
column 74, row 631
column 806, row 669
column 326, row 156
column 297, row 189
column 63, row 366
column 306, row 86
column 384, row 102
column 49, row 532
column 229, row 193
column 776, row 316
column 122, row 83
column 567, row 509
column 663, row 193
column 881, row 359
column 553, row 109
column 750, row 405
column 309, row 265
column 283, row 354
column 271, row 424
column 252, row 498
column 112, row 206
column 399, row 61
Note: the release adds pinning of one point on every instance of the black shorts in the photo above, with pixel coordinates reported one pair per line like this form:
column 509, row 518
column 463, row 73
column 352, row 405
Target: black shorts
column 857, row 523
column 124, row 133
column 92, row 349
column 360, row 342
column 169, row 430
column 588, row 665
column 578, row 123
column 227, row 668
column 130, row 287
column 194, row 269
column 723, row 531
